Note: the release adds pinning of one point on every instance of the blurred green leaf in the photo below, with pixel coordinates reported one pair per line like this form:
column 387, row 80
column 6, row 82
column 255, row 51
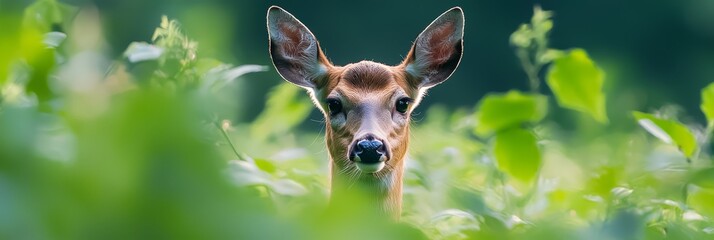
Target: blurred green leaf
column 535, row 32
column 54, row 39
column 577, row 84
column 112, row 156
column 287, row 107
column 704, row 178
column 669, row 131
column 141, row 51
column 701, row 199
column 453, row 224
column 707, row 105
column 221, row 75
column 551, row 55
column 541, row 21
column 621, row 192
column 247, row 173
column 44, row 14
column 265, row 165
column 288, row 187
column 517, row 153
column 522, row 36
column 42, row 64
column 500, row 111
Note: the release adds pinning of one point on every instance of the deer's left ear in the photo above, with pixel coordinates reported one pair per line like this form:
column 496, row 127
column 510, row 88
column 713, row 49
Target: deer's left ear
column 437, row 50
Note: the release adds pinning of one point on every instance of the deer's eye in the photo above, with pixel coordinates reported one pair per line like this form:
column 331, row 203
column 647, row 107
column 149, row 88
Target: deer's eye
column 334, row 105
column 403, row 104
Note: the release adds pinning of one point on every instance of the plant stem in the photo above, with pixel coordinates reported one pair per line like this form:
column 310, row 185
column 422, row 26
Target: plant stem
column 707, row 137
column 530, row 69
column 504, row 193
column 228, row 139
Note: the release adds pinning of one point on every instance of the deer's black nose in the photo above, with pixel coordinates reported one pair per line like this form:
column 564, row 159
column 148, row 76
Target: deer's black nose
column 369, row 150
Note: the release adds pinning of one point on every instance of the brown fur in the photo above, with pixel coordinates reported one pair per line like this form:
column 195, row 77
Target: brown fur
column 368, row 89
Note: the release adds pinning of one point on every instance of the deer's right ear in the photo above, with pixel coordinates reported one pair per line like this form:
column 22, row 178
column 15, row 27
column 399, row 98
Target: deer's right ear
column 295, row 51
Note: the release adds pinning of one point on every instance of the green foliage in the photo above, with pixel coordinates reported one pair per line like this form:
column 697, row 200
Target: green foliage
column 577, row 84
column 574, row 78
column 143, row 147
column 707, row 105
column 531, row 42
column 669, row 131
column 43, row 15
column 516, row 151
column 497, row 112
column 704, row 178
column 287, row 107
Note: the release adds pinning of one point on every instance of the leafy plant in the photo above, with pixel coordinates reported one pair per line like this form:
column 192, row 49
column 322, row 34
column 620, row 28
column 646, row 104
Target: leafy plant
column 143, row 146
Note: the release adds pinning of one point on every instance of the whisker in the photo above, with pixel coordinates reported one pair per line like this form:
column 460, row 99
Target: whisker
column 354, row 177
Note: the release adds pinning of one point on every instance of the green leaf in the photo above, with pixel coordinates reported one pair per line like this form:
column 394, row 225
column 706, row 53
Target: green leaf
column 522, row 37
column 288, row 187
column 141, row 51
column 287, row 107
column 708, row 103
column 701, row 199
column 42, row 15
column 669, row 131
column 704, row 178
column 247, row 173
column 54, row 39
column 577, row 84
column 500, row 111
column 550, row 55
column 517, row 153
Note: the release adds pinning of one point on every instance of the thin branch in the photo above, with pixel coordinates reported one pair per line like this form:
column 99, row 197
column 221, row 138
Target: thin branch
column 228, row 139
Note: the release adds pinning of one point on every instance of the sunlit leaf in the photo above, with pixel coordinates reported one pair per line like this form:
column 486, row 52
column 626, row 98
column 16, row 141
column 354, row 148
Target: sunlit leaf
column 288, row 187
column 54, row 39
column 669, row 131
column 691, row 216
column 701, row 199
column 517, row 153
column 265, row 165
column 500, row 111
column 621, row 192
column 707, row 105
column 247, row 173
column 141, row 51
column 577, row 84
column 239, row 71
column 223, row 74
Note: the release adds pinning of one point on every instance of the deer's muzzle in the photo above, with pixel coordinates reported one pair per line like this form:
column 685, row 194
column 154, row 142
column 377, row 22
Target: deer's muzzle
column 369, row 153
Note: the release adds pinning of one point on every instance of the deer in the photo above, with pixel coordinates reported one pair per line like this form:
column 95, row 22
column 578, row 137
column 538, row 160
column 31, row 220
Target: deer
column 366, row 105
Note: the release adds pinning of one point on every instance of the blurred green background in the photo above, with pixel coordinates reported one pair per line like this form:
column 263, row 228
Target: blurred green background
column 654, row 51
column 128, row 119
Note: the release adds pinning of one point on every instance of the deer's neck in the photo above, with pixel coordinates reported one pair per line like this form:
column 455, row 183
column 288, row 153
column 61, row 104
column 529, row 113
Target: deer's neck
column 383, row 189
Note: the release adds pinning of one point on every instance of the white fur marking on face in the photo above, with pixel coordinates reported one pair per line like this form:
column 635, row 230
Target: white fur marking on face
column 370, row 167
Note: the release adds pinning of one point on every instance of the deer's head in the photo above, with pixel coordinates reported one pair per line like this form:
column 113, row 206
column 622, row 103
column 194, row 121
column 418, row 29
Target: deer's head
column 367, row 105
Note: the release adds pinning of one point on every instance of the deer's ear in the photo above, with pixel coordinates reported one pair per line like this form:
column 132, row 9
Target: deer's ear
column 294, row 49
column 437, row 50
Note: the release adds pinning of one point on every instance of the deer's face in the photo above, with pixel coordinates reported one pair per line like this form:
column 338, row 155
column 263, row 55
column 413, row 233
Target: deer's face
column 367, row 107
column 366, row 104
